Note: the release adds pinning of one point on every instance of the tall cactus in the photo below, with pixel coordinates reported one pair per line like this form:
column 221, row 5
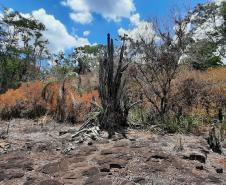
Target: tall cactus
column 114, row 116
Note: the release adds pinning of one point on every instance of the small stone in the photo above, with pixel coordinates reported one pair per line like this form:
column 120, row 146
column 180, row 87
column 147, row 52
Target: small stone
column 219, row 170
column 139, row 180
column 197, row 156
column 200, row 167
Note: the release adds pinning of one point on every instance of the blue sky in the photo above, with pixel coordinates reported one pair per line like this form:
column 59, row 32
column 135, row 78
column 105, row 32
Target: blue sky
column 71, row 18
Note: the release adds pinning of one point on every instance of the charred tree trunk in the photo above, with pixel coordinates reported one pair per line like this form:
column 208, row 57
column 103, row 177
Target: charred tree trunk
column 114, row 115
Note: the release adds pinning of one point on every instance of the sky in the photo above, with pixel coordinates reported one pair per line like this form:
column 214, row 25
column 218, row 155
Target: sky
column 74, row 23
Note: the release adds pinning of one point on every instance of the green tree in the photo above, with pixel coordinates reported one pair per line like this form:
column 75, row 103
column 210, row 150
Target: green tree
column 202, row 55
column 22, row 48
column 207, row 35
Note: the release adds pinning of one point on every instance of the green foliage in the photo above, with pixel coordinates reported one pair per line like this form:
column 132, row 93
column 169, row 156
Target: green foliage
column 203, row 55
column 207, row 51
column 182, row 125
column 138, row 115
column 91, row 49
column 21, row 49
column 189, row 122
column 171, row 127
column 63, row 67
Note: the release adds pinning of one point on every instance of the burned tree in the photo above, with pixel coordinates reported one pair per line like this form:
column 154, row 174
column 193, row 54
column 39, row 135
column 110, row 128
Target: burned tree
column 157, row 68
column 111, row 86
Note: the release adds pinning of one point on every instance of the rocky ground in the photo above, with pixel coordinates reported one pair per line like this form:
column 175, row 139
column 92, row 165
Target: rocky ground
column 34, row 154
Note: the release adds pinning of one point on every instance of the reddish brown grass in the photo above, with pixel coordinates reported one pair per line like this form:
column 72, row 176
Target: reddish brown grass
column 32, row 93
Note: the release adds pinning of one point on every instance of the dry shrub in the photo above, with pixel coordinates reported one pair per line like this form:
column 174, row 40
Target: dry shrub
column 26, row 92
column 195, row 95
column 27, row 101
column 77, row 104
column 201, row 93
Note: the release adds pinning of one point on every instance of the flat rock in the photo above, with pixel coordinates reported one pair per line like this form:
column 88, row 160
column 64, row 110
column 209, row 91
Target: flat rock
column 121, row 143
column 15, row 174
column 52, row 168
column 97, row 180
column 86, row 150
column 91, row 171
column 71, row 175
column 139, row 144
column 17, row 163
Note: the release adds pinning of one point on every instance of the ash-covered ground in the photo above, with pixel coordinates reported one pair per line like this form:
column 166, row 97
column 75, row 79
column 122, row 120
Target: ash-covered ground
column 34, row 154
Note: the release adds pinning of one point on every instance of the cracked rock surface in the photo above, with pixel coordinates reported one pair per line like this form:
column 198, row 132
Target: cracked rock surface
column 35, row 155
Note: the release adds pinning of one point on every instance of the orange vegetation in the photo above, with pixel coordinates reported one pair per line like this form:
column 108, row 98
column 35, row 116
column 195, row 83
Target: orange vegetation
column 71, row 95
column 31, row 93
column 27, row 92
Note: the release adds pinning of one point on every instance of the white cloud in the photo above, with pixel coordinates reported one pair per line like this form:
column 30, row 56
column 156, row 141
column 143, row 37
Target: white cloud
column 86, row 33
column 111, row 10
column 81, row 17
column 140, row 29
column 56, row 33
column 135, row 19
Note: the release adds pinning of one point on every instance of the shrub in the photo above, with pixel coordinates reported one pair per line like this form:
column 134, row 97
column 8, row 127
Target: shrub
column 138, row 115
column 22, row 102
column 184, row 124
column 28, row 101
